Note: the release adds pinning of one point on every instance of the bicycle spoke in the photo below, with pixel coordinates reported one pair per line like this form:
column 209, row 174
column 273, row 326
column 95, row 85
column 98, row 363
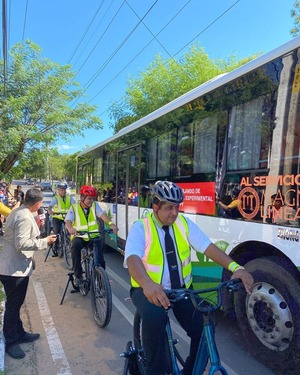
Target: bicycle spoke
column 101, row 297
column 67, row 253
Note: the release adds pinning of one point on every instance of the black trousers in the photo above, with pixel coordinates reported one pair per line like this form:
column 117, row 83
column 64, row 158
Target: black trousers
column 77, row 245
column 15, row 289
column 57, row 223
column 153, row 330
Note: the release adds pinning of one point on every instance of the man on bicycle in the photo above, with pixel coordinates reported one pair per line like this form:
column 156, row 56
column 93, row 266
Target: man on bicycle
column 82, row 216
column 58, row 208
column 147, row 252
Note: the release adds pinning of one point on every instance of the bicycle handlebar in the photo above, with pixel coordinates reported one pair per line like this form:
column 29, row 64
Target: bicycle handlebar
column 175, row 295
column 105, row 230
column 63, row 214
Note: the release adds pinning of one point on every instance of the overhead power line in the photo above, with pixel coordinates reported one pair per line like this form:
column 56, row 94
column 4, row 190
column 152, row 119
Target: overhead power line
column 154, row 38
column 206, row 28
column 86, row 31
column 4, row 44
column 25, row 19
column 115, row 52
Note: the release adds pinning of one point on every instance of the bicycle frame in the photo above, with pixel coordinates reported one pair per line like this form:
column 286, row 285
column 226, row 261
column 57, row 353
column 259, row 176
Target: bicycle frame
column 207, row 350
column 171, row 347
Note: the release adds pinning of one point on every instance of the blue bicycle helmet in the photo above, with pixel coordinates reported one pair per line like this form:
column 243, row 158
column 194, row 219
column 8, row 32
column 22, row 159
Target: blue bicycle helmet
column 62, row 185
column 167, row 191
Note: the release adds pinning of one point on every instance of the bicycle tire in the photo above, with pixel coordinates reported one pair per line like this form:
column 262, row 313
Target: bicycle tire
column 67, row 252
column 101, row 297
column 84, row 287
column 137, row 337
column 60, row 245
column 130, row 365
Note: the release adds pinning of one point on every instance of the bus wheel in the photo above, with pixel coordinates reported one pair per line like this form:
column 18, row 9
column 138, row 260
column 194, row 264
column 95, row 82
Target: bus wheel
column 269, row 318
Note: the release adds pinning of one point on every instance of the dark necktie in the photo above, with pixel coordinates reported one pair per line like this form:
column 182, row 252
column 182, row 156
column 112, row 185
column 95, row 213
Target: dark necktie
column 172, row 260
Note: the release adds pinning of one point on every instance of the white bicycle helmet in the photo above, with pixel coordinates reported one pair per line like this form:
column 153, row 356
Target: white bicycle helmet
column 167, row 191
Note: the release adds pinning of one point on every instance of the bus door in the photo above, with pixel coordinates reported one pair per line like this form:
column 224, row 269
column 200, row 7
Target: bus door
column 127, row 187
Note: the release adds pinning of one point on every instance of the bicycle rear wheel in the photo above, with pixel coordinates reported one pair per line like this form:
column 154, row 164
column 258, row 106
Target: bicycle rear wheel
column 67, row 252
column 101, row 297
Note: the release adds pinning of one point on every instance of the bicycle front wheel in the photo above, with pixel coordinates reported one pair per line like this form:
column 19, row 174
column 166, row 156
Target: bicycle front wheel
column 67, row 252
column 137, row 336
column 60, row 245
column 101, row 297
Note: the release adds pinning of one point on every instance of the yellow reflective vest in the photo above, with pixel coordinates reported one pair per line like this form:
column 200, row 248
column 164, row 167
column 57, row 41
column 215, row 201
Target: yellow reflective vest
column 83, row 224
column 61, row 206
column 153, row 258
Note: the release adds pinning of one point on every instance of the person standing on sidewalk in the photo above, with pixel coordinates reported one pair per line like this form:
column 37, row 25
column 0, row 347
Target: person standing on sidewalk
column 20, row 240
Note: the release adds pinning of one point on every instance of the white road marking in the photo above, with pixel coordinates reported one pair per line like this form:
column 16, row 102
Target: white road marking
column 56, row 349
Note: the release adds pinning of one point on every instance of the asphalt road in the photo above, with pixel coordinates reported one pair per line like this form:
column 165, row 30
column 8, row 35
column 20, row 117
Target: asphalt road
column 72, row 344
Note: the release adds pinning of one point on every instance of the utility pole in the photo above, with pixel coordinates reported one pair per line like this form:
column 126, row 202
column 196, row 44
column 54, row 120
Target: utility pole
column 4, row 44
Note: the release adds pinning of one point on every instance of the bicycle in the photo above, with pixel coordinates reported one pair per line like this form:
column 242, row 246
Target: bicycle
column 95, row 279
column 63, row 244
column 135, row 360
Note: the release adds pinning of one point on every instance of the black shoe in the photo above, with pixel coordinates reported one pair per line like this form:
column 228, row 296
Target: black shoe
column 28, row 337
column 54, row 255
column 15, row 351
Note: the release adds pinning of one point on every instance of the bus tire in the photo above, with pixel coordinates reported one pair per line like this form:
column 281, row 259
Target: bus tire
column 269, row 318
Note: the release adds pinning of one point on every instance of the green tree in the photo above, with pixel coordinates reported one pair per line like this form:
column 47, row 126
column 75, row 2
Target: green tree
column 38, row 104
column 30, row 164
column 166, row 79
column 69, row 165
column 295, row 13
column 55, row 166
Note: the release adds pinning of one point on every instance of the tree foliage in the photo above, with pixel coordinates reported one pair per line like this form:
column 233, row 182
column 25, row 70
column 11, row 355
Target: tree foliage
column 36, row 104
column 295, row 13
column 166, row 79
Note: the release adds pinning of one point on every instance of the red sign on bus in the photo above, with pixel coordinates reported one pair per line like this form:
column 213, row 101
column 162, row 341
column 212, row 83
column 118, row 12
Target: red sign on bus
column 199, row 197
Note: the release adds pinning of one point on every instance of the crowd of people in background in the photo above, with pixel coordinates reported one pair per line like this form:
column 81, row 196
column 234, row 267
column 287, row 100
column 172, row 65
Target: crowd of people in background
column 135, row 198
column 9, row 200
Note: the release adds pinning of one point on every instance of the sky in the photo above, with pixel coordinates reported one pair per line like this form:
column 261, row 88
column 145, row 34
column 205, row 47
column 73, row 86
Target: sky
column 108, row 42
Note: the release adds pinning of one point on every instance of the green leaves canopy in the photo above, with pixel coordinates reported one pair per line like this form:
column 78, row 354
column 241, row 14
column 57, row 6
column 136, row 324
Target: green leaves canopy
column 167, row 79
column 36, row 104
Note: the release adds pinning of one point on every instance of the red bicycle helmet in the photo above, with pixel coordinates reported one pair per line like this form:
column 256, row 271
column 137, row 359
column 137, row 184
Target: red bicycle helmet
column 88, row 191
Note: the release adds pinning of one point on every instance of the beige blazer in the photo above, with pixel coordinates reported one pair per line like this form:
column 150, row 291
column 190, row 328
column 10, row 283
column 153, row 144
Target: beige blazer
column 19, row 243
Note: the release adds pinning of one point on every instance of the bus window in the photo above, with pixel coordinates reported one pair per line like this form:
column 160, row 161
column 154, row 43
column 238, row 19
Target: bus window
column 245, row 136
column 205, row 142
column 185, row 151
column 164, row 154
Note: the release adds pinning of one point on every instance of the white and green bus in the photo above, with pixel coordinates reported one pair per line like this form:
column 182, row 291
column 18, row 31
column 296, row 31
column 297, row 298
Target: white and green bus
column 238, row 134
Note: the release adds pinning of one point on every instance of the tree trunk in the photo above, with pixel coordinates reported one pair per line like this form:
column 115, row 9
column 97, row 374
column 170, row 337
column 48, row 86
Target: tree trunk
column 9, row 161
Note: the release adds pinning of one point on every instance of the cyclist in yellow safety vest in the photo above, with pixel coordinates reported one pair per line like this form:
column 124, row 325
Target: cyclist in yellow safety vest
column 158, row 257
column 61, row 202
column 82, row 216
column 145, row 197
